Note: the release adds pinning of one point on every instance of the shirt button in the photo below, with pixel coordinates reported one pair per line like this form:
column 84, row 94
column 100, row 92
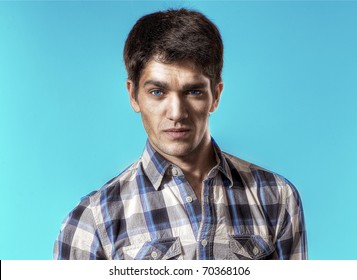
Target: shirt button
column 154, row 255
column 174, row 172
column 204, row 242
column 189, row 199
column 255, row 251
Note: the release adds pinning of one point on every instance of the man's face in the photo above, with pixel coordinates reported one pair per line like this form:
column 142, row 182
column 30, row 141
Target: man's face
column 175, row 101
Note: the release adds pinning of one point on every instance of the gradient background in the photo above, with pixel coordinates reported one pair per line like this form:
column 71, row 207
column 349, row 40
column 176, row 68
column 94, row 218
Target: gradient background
column 66, row 126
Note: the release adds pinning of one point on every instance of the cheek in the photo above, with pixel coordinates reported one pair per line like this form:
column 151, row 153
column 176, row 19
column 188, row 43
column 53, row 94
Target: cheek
column 150, row 118
column 201, row 111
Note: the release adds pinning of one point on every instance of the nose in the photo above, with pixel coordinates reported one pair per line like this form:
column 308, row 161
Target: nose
column 176, row 108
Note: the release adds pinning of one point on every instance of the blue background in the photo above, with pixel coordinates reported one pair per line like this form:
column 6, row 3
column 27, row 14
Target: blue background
column 66, row 126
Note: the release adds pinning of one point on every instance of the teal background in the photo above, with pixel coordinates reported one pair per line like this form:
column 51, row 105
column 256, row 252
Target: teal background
column 66, row 126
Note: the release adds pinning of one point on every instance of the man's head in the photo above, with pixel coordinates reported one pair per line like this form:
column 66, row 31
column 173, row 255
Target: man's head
column 174, row 36
column 174, row 62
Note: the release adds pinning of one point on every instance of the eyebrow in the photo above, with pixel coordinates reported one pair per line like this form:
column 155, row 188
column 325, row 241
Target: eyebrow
column 198, row 85
column 158, row 84
column 163, row 85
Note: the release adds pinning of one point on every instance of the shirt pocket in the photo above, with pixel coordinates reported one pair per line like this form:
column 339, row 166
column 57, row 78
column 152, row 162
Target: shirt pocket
column 158, row 249
column 250, row 247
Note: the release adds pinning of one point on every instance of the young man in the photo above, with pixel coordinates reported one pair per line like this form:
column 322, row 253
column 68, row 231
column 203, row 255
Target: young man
column 184, row 198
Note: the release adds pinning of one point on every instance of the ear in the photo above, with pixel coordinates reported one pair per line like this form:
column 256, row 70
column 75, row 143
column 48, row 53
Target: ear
column 133, row 98
column 216, row 96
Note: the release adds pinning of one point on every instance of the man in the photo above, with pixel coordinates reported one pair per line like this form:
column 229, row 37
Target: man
column 184, row 198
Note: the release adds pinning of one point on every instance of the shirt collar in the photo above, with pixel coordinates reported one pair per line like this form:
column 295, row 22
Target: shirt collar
column 155, row 165
column 222, row 165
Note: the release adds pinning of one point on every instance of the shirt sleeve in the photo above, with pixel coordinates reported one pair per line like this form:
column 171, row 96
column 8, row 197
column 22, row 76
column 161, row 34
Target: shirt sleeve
column 292, row 241
column 79, row 236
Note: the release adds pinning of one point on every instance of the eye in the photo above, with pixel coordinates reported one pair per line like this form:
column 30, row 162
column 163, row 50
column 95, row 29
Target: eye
column 195, row 92
column 156, row 92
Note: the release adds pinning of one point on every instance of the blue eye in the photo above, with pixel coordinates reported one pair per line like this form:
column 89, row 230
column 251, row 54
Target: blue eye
column 195, row 92
column 156, row 92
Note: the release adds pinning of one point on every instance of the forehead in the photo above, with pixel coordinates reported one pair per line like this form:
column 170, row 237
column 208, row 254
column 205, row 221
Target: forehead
column 174, row 73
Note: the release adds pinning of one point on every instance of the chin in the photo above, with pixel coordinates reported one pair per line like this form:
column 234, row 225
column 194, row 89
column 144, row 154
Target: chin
column 176, row 149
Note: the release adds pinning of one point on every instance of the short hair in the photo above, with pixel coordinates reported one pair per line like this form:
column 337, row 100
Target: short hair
column 171, row 36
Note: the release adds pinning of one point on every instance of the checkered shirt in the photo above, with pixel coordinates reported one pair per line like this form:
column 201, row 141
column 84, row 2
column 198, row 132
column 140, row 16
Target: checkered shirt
column 150, row 211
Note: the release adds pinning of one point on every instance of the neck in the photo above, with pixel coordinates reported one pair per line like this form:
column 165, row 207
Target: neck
column 197, row 164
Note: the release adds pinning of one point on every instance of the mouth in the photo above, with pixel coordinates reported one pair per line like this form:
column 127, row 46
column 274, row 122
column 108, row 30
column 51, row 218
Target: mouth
column 177, row 133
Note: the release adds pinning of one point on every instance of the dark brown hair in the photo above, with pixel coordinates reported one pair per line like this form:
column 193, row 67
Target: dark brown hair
column 174, row 36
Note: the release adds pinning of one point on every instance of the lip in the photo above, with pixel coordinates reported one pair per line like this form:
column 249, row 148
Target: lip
column 177, row 133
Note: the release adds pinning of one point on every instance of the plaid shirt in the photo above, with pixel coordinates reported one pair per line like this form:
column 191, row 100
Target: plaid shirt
column 150, row 211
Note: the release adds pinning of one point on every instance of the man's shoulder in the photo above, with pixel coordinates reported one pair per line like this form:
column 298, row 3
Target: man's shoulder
column 114, row 186
column 242, row 165
column 265, row 183
column 236, row 162
column 250, row 172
